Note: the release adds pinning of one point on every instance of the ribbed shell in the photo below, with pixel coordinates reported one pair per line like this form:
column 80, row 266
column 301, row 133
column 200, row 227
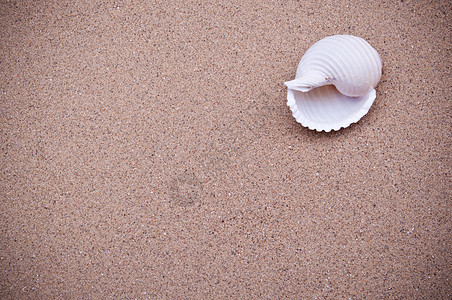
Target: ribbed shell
column 347, row 62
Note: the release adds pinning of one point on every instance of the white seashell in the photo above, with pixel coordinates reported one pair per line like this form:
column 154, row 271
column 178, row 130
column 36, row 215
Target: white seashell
column 334, row 84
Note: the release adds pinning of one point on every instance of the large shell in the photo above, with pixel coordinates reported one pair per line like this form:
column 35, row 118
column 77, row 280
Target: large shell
column 334, row 84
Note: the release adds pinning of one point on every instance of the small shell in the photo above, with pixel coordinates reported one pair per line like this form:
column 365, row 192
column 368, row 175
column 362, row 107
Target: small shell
column 334, row 84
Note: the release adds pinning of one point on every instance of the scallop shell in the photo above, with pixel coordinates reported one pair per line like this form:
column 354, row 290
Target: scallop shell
column 334, row 84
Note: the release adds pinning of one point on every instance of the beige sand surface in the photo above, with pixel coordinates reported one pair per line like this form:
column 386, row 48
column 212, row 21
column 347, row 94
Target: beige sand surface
column 147, row 152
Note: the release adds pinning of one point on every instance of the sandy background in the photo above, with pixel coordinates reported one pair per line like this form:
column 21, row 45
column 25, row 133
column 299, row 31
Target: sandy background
column 147, row 152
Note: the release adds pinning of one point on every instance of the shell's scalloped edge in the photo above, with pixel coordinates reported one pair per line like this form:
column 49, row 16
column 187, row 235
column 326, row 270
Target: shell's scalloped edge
column 327, row 127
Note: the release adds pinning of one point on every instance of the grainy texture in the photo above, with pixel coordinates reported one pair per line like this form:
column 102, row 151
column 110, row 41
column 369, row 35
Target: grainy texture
column 147, row 152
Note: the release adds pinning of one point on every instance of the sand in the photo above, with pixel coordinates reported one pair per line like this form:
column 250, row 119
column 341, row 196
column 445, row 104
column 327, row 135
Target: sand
column 147, row 152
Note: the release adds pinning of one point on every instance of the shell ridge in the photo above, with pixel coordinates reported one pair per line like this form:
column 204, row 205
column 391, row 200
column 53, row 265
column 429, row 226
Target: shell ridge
column 357, row 45
column 367, row 56
column 359, row 70
column 339, row 55
column 331, row 69
column 375, row 58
